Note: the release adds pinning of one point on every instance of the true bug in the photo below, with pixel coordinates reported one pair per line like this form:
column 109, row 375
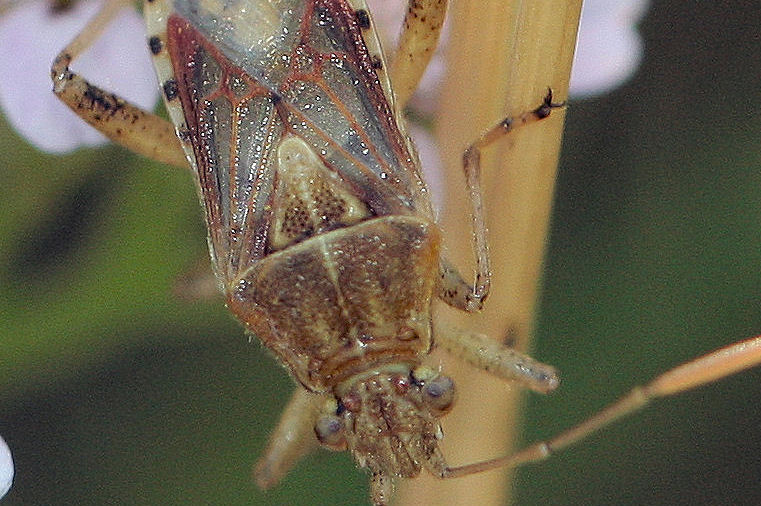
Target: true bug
column 282, row 247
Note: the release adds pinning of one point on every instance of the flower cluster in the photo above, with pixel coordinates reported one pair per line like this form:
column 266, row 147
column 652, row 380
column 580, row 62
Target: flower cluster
column 609, row 51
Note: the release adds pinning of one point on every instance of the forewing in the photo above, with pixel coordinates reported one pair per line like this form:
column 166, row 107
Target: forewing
column 247, row 73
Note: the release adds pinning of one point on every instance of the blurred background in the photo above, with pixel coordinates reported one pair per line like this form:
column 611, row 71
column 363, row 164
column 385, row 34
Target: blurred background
column 115, row 391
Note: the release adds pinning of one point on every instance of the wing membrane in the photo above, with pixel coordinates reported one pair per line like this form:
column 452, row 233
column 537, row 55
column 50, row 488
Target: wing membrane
column 250, row 72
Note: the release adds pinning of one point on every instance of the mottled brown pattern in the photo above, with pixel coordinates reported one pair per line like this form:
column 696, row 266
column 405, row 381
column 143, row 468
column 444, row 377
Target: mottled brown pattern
column 346, row 301
column 309, row 199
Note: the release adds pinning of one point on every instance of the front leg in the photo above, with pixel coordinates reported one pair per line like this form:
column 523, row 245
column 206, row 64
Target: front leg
column 494, row 357
column 293, row 437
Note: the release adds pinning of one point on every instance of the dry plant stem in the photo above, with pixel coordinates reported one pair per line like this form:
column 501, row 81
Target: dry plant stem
column 502, row 57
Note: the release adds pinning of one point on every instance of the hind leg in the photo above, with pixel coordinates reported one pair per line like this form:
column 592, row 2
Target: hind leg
column 418, row 41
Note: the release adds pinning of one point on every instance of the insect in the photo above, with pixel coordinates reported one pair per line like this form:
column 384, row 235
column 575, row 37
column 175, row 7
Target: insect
column 320, row 228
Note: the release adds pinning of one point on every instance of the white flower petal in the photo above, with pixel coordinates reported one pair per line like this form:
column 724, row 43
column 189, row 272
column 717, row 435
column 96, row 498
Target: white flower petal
column 609, row 48
column 6, row 468
column 31, row 36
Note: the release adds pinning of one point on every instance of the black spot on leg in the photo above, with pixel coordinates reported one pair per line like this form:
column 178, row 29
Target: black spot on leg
column 510, row 338
column 155, row 45
column 61, row 6
column 184, row 134
column 376, row 62
column 363, row 19
column 102, row 102
column 170, row 89
column 95, row 96
column 542, row 112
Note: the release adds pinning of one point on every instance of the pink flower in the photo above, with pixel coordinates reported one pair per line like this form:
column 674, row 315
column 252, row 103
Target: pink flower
column 31, row 36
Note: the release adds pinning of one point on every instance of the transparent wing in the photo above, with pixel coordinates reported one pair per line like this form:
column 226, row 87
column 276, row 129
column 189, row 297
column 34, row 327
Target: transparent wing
column 250, row 72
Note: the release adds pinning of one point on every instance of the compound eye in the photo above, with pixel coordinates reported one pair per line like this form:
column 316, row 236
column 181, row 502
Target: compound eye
column 438, row 393
column 330, row 431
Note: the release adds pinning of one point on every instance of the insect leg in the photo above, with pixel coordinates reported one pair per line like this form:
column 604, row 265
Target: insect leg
column 417, row 43
column 120, row 121
column 293, row 438
column 706, row 369
column 490, row 355
column 451, row 282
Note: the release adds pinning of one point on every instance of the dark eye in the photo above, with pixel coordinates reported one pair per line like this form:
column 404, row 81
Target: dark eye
column 438, row 393
column 329, row 430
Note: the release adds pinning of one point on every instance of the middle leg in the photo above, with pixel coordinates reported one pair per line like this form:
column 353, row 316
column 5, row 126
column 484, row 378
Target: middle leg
column 453, row 289
column 293, row 438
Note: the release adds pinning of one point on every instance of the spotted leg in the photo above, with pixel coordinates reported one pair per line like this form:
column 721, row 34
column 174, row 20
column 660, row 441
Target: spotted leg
column 137, row 130
column 490, row 355
column 418, row 41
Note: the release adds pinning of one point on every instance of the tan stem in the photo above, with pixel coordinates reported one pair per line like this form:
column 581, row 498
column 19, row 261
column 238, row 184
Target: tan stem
column 502, row 57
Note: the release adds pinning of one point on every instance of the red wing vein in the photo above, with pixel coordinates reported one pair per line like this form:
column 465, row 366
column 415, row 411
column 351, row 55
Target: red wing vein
column 251, row 229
